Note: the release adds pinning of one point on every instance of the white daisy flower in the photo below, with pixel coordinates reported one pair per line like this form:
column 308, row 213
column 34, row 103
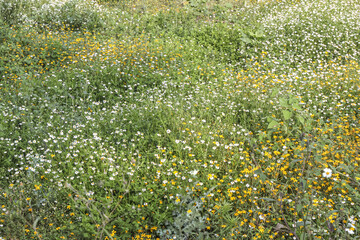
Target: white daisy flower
column 327, row 173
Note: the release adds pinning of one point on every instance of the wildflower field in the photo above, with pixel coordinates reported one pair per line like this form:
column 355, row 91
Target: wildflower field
column 179, row 119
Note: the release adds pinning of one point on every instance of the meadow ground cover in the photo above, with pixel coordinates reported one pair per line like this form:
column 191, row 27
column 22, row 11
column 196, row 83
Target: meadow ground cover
column 179, row 119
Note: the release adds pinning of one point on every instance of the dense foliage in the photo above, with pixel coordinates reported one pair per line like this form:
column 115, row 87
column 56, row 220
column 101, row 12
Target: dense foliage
column 200, row 119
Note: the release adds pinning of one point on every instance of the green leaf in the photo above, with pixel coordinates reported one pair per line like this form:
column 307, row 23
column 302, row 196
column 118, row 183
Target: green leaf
column 36, row 221
column 298, row 224
column 283, row 102
column 273, row 125
column 287, row 114
column 285, row 128
column 295, row 161
column 229, row 5
column 261, row 174
column 301, row 119
column 298, row 207
column 292, row 100
column 274, row 92
column 259, row 33
column 302, row 236
column 308, row 127
column 245, row 38
column 2, row 130
column 296, row 106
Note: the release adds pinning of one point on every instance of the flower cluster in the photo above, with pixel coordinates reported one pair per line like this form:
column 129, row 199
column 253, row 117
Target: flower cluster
column 135, row 131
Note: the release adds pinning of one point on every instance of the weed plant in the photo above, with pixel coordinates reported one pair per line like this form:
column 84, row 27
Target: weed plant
column 147, row 119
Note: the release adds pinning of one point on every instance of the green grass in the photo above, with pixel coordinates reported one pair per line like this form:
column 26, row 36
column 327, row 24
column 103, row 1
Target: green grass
column 179, row 119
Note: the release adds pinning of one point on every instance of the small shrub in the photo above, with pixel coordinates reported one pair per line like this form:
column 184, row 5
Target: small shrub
column 189, row 220
column 74, row 14
column 10, row 11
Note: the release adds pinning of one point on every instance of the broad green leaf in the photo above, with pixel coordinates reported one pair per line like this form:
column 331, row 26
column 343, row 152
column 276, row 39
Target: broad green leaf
column 274, row 92
column 285, row 128
column 245, row 38
column 292, row 99
column 273, row 125
column 228, row 5
column 308, row 127
column 299, row 207
column 259, row 34
column 301, row 119
column 296, row 106
column 283, row 102
column 287, row 114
